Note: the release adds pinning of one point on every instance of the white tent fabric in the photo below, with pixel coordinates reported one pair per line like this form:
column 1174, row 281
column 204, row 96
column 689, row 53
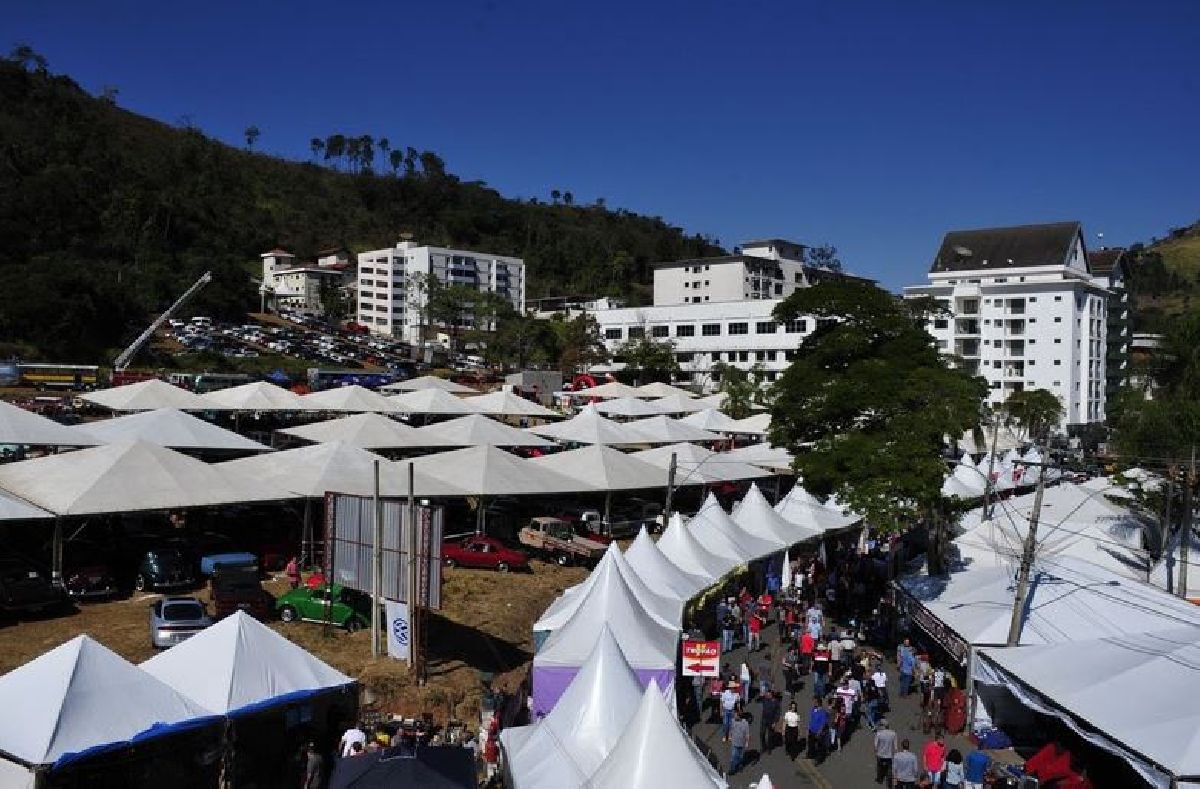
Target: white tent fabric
column 954, row 488
column 1107, row 488
column 146, row 396
column 313, row 471
column 169, row 427
column 713, row 420
column 239, row 662
column 1006, row 438
column 665, row 430
column 488, row 471
column 82, row 695
column 698, row 466
column 603, row 468
column 1069, row 600
column 765, row 782
column 14, row 776
column 435, row 402
column 626, row 406
column 721, row 535
column 427, row 382
column 677, row 404
column 658, row 390
column 128, row 477
column 353, row 399
column 589, row 427
column 763, row 455
column 716, row 400
column 802, row 508
column 754, row 514
column 965, row 481
column 18, row 426
column 1165, row 574
column 505, row 403
column 654, row 751
column 366, row 431
column 606, row 391
column 256, row 396
column 659, row 572
column 612, row 569
column 684, row 550
column 1127, row 689
column 475, row 430
column 13, row 509
column 564, row 748
column 756, row 424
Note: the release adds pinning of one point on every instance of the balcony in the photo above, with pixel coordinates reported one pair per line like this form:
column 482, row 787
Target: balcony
column 966, row 326
column 967, row 348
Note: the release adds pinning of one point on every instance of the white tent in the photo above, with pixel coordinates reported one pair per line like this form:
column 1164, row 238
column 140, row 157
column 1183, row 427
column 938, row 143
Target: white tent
column 563, row 749
column 146, row 396
column 603, row 468
column 478, row 430
column 632, row 407
column 172, row 428
column 337, row 467
column 803, row 509
column 1006, row 438
column 684, row 550
column 657, row 570
column 432, row 402
column 764, row 455
column 1165, row 574
column 80, row 696
column 427, row 382
column 18, row 426
column 488, row 471
column 13, row 509
column 128, row 477
column 965, row 481
column 756, row 425
column 665, row 430
column 353, row 398
column 713, row 420
column 721, row 535
column 764, row 782
column 505, row 403
column 239, row 663
column 607, row 391
column 256, row 396
column 589, row 427
column 1108, row 488
column 677, row 404
column 654, row 751
column 366, row 431
column 698, row 466
column 716, row 400
column 755, row 515
column 1131, row 695
column 658, row 390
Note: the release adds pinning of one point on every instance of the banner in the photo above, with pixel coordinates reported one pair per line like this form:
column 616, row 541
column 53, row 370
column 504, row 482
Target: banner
column 399, row 630
column 701, row 658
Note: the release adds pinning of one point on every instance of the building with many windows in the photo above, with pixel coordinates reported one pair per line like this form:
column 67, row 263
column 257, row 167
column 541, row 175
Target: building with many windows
column 392, row 290
column 288, row 285
column 1110, row 267
column 1024, row 311
column 768, row 269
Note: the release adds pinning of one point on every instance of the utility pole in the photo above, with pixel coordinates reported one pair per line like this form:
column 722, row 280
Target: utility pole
column 376, row 565
column 1027, row 556
column 670, row 491
column 987, row 488
column 410, row 590
column 1185, row 537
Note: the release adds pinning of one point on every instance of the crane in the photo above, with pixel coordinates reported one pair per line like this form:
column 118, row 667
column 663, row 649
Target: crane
column 127, row 355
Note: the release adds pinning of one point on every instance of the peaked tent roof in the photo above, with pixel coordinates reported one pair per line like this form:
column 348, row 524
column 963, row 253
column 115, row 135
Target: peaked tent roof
column 566, row 746
column 353, row 398
column 604, row 468
column 366, row 431
column 764, row 455
column 169, row 427
column 754, row 514
column 475, row 430
column 677, row 404
column 256, row 396
column 718, row 532
column 755, row 424
column 13, row 509
column 802, row 508
column 129, row 476
column 626, row 406
column 18, row 426
column 427, row 382
column 711, row 419
column 652, row 565
column 488, row 471
column 505, row 403
column 659, row 389
column 238, row 663
column 589, row 427
column 663, row 430
column 654, row 751
column 714, row 400
column 684, row 550
column 431, row 401
column 82, row 695
column 146, row 396
column 607, row 391
column 698, row 466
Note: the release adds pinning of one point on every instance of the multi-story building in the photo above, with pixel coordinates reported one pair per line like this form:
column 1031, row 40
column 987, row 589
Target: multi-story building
column 392, row 289
column 298, row 287
column 1110, row 267
column 768, row 269
column 1023, row 310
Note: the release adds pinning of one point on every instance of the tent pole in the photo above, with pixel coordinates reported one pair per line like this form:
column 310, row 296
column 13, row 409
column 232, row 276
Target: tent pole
column 480, row 522
column 376, row 564
column 306, row 535
column 56, row 554
column 607, row 512
column 670, row 491
column 411, row 591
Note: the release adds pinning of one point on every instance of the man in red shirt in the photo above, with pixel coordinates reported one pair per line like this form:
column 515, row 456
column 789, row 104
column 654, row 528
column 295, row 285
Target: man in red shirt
column 755, row 631
column 807, row 645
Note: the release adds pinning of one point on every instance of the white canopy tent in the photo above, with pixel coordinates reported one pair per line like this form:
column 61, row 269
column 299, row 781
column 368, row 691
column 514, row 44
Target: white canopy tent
column 684, row 550
column 366, row 431
column 146, row 396
column 654, row 751
column 713, row 420
column 716, row 400
column 665, row 430
column 13, row 509
column 630, row 407
column 698, row 466
column 606, row 391
column 427, row 382
column 18, row 426
column 677, row 404
column 658, row 390
column 505, row 403
column 603, row 468
column 256, row 396
column 803, row 509
column 652, row 565
column 239, row 663
column 169, row 427
column 353, row 399
column 965, row 481
column 589, row 427
column 488, row 471
column 721, row 535
column 754, row 514
column 478, row 430
column 763, row 455
column 755, row 425
column 1006, row 438
column 1165, row 574
column 1108, row 488
column 431, row 402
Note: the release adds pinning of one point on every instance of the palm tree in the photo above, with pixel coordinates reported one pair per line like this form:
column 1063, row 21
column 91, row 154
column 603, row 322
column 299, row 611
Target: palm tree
column 252, row 134
column 385, row 145
column 396, row 158
column 555, row 195
column 568, row 198
column 366, row 152
column 335, row 147
column 317, row 145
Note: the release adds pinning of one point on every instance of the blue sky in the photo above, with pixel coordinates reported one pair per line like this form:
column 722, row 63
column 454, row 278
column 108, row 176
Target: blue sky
column 872, row 125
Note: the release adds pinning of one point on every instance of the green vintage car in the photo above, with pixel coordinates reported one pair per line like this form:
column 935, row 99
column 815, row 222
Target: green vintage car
column 343, row 607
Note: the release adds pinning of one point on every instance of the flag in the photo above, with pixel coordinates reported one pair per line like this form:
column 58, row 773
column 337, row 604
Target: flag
column 399, row 630
column 786, row 580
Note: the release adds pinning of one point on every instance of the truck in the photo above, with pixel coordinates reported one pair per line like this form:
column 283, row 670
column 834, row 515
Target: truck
column 624, row 522
column 237, row 586
column 556, row 540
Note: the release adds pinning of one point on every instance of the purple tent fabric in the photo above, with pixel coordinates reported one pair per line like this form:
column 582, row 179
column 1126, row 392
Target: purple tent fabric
column 549, row 683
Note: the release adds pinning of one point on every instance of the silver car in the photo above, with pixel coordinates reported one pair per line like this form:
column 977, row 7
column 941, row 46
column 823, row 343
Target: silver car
column 176, row 619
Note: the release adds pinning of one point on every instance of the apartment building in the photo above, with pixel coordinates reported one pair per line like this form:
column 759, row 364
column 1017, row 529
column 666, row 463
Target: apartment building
column 1024, row 311
column 1110, row 268
column 768, row 269
column 286, row 284
column 391, row 295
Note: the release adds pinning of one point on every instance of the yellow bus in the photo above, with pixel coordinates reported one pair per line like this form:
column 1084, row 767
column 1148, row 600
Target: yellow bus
column 59, row 376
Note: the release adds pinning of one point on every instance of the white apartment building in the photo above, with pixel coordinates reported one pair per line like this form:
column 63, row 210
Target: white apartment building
column 390, row 302
column 768, row 269
column 298, row 287
column 1024, row 313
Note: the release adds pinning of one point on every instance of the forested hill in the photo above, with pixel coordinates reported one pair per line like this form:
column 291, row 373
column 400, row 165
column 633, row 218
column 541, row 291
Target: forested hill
column 1165, row 277
column 106, row 216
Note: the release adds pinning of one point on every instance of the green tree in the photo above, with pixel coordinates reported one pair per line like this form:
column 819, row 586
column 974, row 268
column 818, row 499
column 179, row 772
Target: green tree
column 333, row 301
column 740, row 387
column 1166, row 427
column 27, row 57
column 396, row 160
column 648, row 360
column 1033, row 413
column 316, row 145
column 335, row 148
column 867, row 403
column 555, row 195
column 579, row 343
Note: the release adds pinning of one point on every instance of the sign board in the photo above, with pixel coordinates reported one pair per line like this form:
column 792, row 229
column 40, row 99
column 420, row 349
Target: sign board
column 936, row 629
column 399, row 630
column 701, row 658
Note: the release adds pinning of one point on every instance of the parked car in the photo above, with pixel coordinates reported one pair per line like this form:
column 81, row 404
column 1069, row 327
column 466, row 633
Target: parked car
column 238, row 587
column 164, row 567
column 209, row 562
column 25, row 589
column 176, row 619
column 343, row 607
column 480, row 551
column 555, row 540
column 88, row 571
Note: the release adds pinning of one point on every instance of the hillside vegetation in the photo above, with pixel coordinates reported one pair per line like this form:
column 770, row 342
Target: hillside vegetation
column 1165, row 278
column 107, row 216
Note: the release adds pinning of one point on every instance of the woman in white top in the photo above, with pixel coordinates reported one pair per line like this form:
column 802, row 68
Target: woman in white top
column 791, row 732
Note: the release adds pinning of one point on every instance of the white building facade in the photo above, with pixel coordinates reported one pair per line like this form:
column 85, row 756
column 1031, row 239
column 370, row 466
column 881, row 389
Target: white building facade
column 769, row 269
column 391, row 298
column 286, row 285
column 1024, row 312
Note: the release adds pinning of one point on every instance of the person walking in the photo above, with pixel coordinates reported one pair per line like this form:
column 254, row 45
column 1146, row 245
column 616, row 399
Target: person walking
column 885, row 750
column 934, row 757
column 744, row 678
column 728, row 628
column 768, row 720
column 791, row 732
column 906, row 662
column 754, row 624
column 975, row 768
column 313, row 766
column 953, row 775
column 729, row 703
column 818, row 725
column 764, row 669
column 739, row 741
column 905, row 772
column 879, row 680
column 292, row 571
column 808, row 646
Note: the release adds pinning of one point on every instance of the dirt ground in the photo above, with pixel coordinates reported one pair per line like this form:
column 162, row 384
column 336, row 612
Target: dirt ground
column 485, row 626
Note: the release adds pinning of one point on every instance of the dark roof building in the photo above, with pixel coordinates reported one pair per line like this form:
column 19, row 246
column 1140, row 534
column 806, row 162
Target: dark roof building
column 1013, row 247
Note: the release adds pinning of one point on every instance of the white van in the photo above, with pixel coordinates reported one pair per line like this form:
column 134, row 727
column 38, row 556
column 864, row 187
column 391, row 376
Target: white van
column 202, row 322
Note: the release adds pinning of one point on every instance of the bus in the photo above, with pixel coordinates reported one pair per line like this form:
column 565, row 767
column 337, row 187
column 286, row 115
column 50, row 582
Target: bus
column 59, row 376
column 208, row 382
column 319, row 378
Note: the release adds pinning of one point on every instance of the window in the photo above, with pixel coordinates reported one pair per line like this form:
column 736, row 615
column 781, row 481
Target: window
column 778, row 290
column 660, row 331
column 1058, row 298
column 1031, row 362
column 1056, row 383
column 1057, row 340
column 695, row 283
column 797, row 326
column 706, row 283
column 770, row 356
column 739, row 328
column 940, row 323
column 637, row 332
column 995, row 384
column 710, row 329
column 1000, row 280
column 1057, row 362
column 612, row 334
column 996, row 365
column 765, row 327
column 1058, row 320
column 789, row 354
column 1031, row 342
column 683, row 358
column 1031, row 298
column 687, row 284
column 760, row 356
column 743, row 356
column 686, row 330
